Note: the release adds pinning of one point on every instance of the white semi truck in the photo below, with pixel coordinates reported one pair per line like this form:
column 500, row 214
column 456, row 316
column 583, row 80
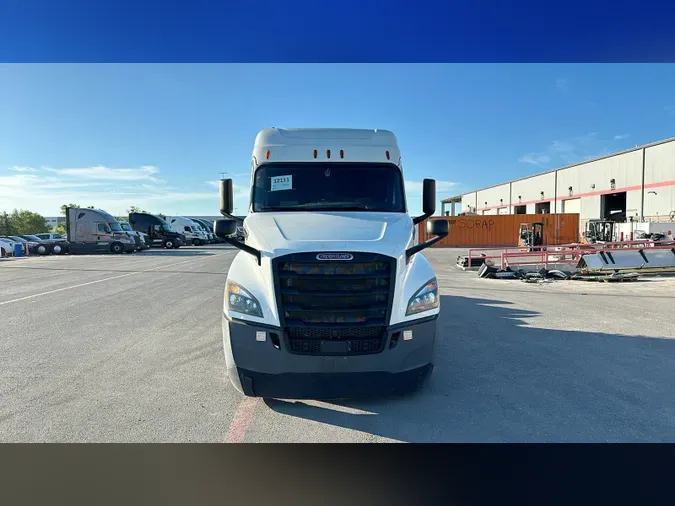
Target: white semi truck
column 187, row 227
column 329, row 296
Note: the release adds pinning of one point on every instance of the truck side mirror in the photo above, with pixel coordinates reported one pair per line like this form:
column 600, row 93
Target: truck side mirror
column 429, row 197
column 224, row 228
column 226, row 198
column 428, row 200
column 438, row 227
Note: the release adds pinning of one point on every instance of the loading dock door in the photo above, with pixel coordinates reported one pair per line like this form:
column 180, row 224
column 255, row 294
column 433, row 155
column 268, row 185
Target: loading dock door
column 503, row 210
column 571, row 206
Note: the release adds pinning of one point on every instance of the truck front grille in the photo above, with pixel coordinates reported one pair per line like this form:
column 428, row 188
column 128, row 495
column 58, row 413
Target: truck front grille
column 334, row 307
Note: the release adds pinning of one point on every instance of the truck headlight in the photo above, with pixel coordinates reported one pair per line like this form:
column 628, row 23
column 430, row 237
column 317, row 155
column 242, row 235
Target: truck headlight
column 240, row 300
column 425, row 298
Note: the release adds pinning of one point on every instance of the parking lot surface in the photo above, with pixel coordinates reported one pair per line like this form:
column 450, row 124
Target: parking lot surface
column 128, row 348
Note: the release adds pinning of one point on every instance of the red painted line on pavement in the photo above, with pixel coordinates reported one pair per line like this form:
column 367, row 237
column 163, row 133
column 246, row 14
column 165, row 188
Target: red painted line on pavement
column 241, row 421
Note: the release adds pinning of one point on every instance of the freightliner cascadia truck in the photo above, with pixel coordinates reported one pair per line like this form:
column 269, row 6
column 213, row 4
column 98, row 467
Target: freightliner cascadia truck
column 329, row 296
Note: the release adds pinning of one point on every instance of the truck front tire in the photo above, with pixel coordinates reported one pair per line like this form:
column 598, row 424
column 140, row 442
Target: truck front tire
column 168, row 244
column 116, row 248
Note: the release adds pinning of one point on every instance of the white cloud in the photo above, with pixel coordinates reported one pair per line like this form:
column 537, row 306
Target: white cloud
column 115, row 190
column 145, row 173
column 568, row 151
column 621, row 137
column 535, row 159
column 22, row 169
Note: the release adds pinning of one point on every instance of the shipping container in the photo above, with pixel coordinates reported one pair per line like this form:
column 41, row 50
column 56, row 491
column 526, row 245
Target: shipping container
column 502, row 230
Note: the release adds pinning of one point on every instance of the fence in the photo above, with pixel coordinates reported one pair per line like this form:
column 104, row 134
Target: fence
column 503, row 230
column 548, row 251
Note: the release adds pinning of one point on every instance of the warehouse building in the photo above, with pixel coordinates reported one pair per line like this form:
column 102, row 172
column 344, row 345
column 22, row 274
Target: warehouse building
column 633, row 185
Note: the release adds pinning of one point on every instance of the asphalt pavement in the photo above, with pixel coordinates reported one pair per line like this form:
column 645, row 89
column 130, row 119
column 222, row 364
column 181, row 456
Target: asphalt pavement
column 128, row 348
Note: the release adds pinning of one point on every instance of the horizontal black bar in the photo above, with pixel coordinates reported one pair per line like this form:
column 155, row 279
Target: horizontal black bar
column 373, row 322
column 374, row 307
column 350, row 293
column 293, row 275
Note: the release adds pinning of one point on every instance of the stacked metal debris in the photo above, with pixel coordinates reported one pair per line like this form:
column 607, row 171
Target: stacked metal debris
column 491, row 272
column 642, row 260
column 548, row 276
column 463, row 261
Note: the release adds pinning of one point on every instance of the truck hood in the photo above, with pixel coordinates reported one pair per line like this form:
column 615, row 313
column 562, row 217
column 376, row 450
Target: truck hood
column 282, row 233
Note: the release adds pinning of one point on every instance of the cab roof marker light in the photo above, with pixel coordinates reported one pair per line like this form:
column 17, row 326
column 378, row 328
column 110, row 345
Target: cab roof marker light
column 267, row 154
column 316, row 153
column 342, row 153
column 328, row 153
column 388, row 155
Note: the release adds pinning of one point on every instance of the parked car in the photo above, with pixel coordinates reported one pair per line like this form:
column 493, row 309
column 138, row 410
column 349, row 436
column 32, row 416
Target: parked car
column 23, row 242
column 42, row 248
column 6, row 247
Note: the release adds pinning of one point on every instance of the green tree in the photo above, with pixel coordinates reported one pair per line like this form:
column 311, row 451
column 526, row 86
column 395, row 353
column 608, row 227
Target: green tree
column 60, row 228
column 6, row 226
column 64, row 206
column 134, row 209
column 27, row 222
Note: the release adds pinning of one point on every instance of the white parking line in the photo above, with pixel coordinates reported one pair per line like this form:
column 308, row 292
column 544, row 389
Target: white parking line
column 109, row 279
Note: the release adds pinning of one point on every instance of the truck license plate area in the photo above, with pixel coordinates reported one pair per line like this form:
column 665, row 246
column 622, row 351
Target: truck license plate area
column 334, row 346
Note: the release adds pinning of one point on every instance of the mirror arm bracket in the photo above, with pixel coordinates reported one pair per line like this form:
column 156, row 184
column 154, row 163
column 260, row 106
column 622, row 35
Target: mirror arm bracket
column 420, row 218
column 419, row 247
column 244, row 247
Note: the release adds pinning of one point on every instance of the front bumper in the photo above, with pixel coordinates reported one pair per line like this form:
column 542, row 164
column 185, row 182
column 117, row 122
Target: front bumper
column 268, row 369
column 129, row 248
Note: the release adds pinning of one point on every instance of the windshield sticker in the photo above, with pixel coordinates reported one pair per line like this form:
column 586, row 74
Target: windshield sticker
column 281, row 183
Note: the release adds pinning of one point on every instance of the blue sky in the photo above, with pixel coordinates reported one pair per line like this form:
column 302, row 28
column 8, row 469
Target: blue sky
column 158, row 136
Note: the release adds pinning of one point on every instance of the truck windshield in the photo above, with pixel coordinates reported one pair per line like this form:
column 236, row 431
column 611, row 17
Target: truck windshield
column 370, row 187
column 126, row 226
column 115, row 227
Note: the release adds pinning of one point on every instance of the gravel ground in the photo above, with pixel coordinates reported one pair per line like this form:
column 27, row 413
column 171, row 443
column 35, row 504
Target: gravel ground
column 128, row 349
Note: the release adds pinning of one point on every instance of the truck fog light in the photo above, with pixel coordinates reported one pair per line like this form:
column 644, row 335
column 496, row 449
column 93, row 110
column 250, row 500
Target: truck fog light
column 425, row 298
column 240, row 300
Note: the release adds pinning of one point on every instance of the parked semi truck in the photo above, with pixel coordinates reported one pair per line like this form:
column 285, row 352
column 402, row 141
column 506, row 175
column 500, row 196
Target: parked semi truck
column 186, row 227
column 138, row 237
column 95, row 231
column 330, row 295
column 208, row 229
column 159, row 232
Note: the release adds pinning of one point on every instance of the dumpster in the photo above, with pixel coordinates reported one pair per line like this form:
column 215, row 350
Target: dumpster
column 18, row 249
